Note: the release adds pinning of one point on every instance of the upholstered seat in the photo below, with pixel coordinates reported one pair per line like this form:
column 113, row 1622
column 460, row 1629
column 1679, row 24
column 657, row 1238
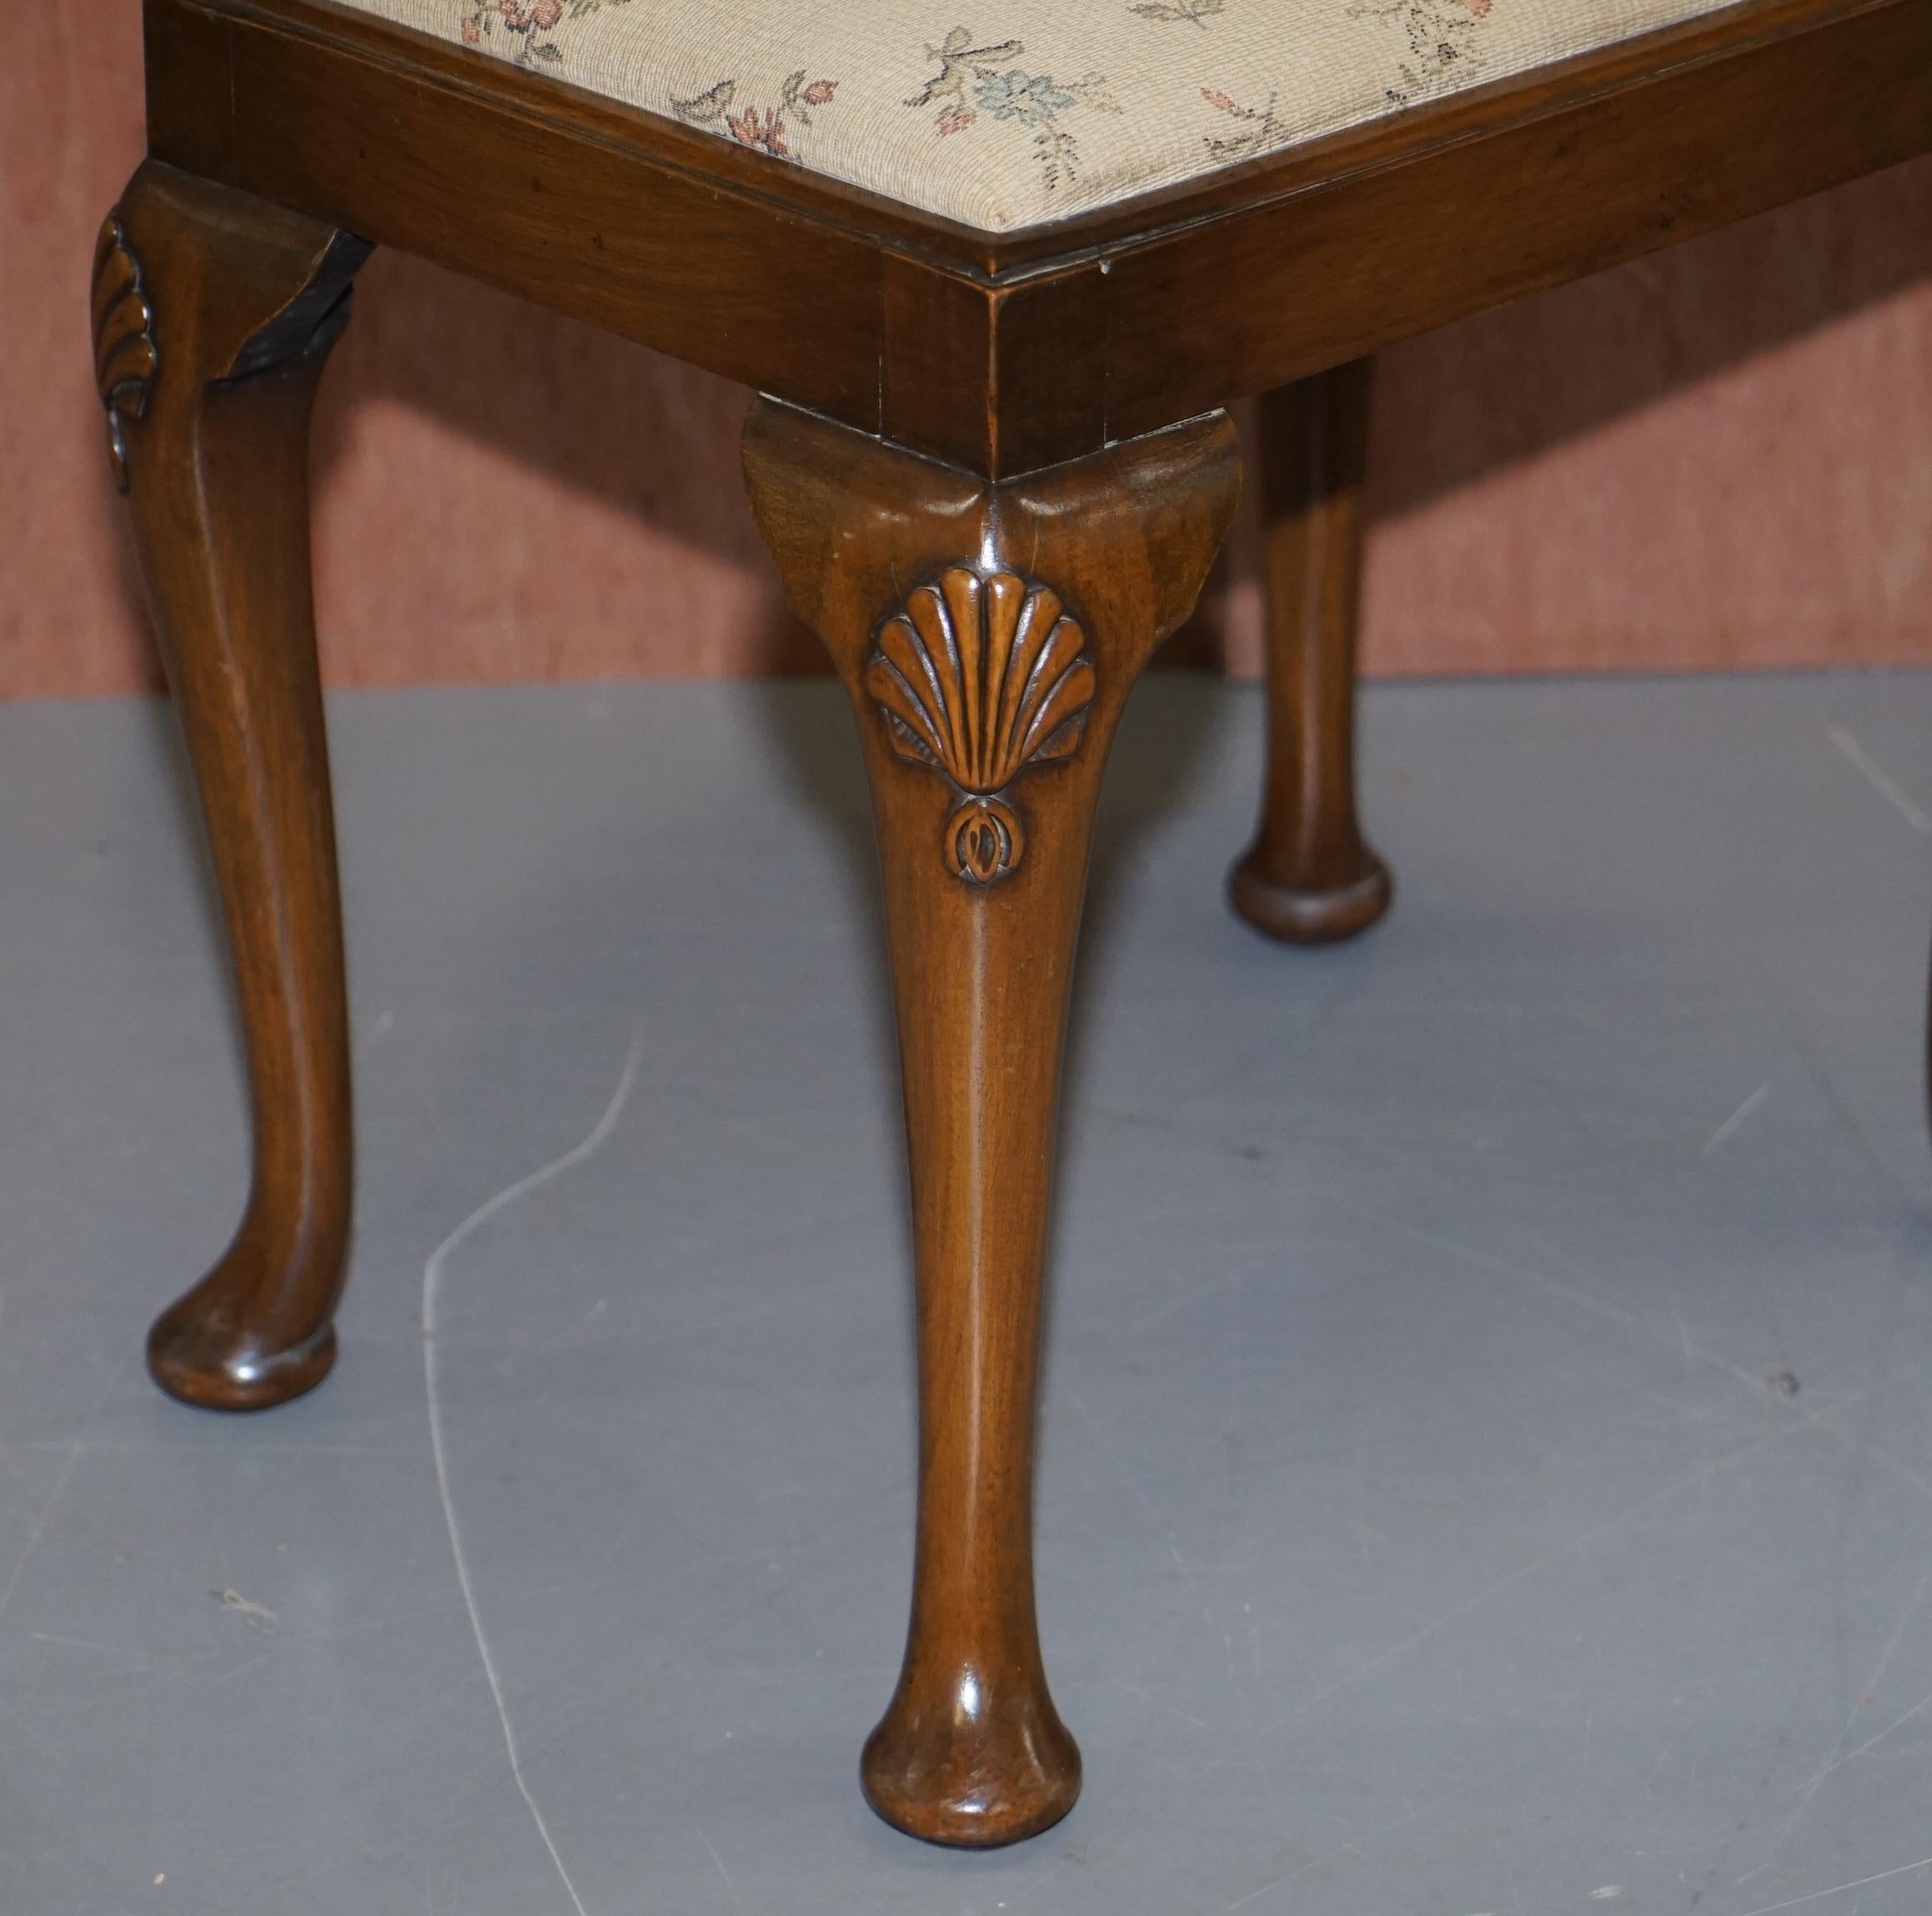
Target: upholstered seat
column 1009, row 118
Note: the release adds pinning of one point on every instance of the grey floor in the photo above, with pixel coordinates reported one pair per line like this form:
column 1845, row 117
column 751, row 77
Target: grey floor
column 1487, row 1443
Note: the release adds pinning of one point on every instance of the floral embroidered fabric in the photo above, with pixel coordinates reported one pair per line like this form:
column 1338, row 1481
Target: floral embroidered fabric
column 1013, row 114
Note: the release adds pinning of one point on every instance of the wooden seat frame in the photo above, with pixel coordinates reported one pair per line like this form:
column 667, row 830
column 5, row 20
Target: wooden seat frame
column 993, row 471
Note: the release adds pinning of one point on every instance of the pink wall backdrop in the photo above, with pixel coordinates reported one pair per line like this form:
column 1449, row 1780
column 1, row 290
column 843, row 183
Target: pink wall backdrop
column 1719, row 457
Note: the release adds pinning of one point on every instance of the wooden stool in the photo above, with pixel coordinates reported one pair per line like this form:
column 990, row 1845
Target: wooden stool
column 995, row 289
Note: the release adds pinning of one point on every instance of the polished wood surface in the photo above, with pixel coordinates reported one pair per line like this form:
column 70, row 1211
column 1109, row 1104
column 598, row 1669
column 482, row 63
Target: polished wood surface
column 1517, row 521
column 970, row 471
column 213, row 314
column 1516, row 187
column 988, row 636
column 1310, row 877
column 1054, row 340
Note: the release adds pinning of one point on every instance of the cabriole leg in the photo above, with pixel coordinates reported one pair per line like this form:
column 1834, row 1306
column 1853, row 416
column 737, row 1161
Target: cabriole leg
column 212, row 314
column 1310, row 877
column 988, row 635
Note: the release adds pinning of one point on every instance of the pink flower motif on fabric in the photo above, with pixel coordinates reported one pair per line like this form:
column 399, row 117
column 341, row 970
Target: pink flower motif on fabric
column 528, row 22
column 762, row 128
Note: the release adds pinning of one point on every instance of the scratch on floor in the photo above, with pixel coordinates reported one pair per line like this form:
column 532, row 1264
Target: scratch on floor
column 1581, row 1544
column 82, row 1442
column 1241, row 1901
column 433, row 1272
column 1579, row 1294
column 1273, row 1883
column 1872, row 1742
column 72, row 1642
column 731, row 1886
column 1840, row 1889
column 1884, row 787
column 1731, row 1126
column 1871, row 1685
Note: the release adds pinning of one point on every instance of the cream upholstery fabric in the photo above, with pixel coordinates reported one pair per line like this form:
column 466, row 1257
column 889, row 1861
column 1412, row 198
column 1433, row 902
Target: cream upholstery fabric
column 1008, row 113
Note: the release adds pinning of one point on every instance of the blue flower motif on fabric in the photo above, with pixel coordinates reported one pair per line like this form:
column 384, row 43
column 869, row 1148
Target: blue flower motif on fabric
column 1012, row 96
column 1009, row 92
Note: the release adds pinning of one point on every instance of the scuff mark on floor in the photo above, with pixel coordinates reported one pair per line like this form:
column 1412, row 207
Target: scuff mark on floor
column 433, row 1270
column 1735, row 1122
column 1887, row 787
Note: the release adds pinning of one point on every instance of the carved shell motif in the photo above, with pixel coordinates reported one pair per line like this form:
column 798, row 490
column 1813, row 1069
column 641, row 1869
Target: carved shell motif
column 126, row 359
column 979, row 676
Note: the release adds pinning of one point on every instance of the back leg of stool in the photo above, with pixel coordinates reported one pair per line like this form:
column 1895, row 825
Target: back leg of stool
column 1310, row 877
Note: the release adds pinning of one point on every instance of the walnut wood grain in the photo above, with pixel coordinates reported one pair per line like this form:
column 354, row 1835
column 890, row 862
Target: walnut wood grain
column 1010, row 353
column 245, row 301
column 1003, row 379
column 362, row 126
column 1561, row 173
column 1091, row 564
column 1310, row 877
